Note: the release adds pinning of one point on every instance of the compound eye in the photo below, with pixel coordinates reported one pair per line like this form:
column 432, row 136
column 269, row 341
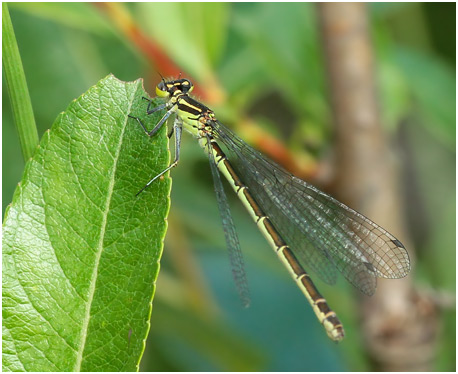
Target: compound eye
column 187, row 85
column 161, row 89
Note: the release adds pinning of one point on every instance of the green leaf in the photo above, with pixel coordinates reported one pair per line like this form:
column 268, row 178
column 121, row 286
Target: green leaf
column 80, row 252
column 17, row 88
column 77, row 16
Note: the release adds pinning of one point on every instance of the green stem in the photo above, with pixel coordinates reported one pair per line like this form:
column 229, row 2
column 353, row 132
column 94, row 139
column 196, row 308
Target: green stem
column 17, row 88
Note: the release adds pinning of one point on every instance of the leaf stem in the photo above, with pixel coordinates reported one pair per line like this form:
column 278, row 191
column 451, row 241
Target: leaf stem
column 17, row 88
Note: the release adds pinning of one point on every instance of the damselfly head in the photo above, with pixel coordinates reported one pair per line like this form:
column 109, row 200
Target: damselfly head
column 169, row 88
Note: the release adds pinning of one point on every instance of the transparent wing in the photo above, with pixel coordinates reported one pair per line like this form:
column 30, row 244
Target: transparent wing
column 232, row 240
column 324, row 234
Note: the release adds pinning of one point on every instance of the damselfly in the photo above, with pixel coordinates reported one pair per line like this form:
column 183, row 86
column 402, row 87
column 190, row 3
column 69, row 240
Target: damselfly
column 307, row 228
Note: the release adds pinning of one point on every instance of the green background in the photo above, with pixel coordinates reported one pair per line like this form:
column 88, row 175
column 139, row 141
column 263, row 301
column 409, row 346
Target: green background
column 261, row 54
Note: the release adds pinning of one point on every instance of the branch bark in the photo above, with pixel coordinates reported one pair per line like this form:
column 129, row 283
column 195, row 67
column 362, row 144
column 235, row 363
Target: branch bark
column 399, row 326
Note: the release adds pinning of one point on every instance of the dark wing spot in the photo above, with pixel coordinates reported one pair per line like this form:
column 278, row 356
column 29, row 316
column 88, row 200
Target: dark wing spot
column 369, row 266
column 397, row 243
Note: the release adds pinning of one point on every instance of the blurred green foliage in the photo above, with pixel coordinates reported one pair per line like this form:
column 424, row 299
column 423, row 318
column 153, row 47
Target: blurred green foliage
column 260, row 52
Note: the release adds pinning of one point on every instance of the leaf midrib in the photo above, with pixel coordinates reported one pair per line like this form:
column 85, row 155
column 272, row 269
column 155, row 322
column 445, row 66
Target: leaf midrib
column 92, row 288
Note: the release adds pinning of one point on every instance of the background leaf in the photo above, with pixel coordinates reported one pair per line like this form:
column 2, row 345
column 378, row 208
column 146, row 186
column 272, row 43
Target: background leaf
column 81, row 252
column 17, row 87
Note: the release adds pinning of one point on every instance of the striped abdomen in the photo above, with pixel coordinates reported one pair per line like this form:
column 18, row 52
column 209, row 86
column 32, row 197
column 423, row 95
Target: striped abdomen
column 325, row 314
